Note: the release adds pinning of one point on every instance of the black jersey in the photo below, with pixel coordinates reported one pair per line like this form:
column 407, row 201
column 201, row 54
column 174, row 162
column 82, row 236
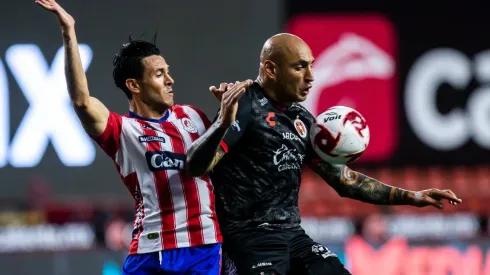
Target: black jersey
column 257, row 181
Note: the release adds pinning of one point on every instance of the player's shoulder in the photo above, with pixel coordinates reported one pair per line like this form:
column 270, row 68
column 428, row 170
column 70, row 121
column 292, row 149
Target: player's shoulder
column 192, row 113
column 303, row 112
column 254, row 91
column 301, row 109
column 255, row 96
column 115, row 116
column 186, row 107
column 188, row 110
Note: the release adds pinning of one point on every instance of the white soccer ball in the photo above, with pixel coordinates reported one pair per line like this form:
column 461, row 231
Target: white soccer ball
column 340, row 135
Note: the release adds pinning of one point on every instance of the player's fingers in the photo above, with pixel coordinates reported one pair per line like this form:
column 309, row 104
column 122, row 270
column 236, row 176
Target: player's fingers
column 223, row 86
column 217, row 93
column 235, row 88
column 246, row 83
column 234, row 95
column 49, row 5
column 236, row 91
column 242, row 85
column 450, row 192
column 455, row 202
column 231, row 85
column 433, row 202
column 444, row 195
column 239, row 94
column 42, row 3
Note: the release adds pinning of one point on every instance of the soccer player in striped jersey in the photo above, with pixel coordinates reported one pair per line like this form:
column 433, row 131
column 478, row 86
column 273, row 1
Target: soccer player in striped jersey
column 175, row 226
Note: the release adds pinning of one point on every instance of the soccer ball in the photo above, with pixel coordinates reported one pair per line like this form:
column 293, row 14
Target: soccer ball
column 340, row 135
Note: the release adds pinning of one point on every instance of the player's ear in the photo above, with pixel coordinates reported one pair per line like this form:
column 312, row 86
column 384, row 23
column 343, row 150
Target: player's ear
column 270, row 69
column 133, row 85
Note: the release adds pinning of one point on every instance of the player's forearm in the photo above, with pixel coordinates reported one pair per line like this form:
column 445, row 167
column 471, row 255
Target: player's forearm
column 205, row 152
column 75, row 75
column 354, row 185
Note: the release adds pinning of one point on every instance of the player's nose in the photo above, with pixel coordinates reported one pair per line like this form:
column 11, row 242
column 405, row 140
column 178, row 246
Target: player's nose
column 169, row 81
column 309, row 75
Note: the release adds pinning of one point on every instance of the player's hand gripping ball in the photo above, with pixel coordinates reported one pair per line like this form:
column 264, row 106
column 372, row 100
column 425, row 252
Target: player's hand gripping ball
column 340, row 135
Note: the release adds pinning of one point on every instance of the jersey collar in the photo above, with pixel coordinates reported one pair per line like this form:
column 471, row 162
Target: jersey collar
column 276, row 104
column 160, row 120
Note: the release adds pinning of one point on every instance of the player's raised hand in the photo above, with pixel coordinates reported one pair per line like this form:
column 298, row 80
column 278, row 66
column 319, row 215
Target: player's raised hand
column 223, row 87
column 65, row 19
column 434, row 197
column 229, row 101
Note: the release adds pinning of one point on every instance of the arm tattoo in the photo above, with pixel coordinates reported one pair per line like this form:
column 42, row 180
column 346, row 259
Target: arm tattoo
column 354, row 185
column 217, row 157
column 206, row 152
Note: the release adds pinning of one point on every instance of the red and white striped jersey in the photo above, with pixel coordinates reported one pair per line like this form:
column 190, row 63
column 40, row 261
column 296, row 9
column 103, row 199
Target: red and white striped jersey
column 173, row 209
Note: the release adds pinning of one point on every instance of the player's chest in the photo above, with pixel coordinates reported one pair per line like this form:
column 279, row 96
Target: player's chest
column 284, row 137
column 159, row 146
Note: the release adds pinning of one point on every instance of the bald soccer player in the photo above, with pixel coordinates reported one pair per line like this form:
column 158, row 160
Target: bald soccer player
column 256, row 153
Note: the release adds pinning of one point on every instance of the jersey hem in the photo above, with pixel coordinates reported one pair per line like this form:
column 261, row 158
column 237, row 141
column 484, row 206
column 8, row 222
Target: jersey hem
column 179, row 245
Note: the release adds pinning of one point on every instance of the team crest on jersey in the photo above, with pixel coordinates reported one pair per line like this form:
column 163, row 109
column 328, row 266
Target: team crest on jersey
column 189, row 125
column 300, row 128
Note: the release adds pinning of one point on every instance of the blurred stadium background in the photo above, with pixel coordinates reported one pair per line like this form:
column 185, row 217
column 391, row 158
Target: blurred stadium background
column 421, row 77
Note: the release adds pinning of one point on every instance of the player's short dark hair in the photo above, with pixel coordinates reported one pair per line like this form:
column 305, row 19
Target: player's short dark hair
column 128, row 62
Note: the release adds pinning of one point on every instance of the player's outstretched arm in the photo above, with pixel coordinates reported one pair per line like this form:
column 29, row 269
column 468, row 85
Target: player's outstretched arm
column 206, row 151
column 91, row 112
column 354, row 185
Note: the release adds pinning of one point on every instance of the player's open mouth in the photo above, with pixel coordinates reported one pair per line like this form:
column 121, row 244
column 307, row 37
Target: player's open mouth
column 306, row 90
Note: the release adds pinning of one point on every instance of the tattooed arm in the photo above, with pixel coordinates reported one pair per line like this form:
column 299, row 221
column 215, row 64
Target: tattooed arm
column 354, row 185
column 207, row 151
column 351, row 184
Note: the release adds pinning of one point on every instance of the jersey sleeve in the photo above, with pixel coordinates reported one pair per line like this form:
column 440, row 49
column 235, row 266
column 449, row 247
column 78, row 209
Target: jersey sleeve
column 110, row 139
column 311, row 156
column 243, row 117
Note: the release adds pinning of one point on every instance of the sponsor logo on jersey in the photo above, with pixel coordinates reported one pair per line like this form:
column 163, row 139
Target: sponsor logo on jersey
column 287, row 159
column 290, row 136
column 148, row 138
column 163, row 160
column 271, row 119
column 189, row 125
column 153, row 236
